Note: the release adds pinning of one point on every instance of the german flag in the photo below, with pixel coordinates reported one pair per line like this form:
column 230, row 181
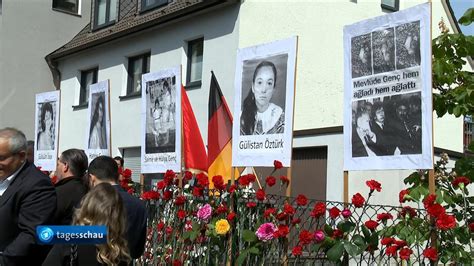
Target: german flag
column 219, row 133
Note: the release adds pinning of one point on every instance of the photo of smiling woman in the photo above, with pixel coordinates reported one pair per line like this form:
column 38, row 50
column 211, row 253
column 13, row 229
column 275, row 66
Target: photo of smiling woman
column 97, row 135
column 264, row 104
column 45, row 138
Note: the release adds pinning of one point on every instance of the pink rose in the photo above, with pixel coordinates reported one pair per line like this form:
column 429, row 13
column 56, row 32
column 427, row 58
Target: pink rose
column 319, row 236
column 346, row 213
column 265, row 231
column 204, row 212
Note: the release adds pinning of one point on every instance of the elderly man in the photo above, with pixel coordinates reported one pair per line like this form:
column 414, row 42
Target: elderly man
column 71, row 187
column 27, row 199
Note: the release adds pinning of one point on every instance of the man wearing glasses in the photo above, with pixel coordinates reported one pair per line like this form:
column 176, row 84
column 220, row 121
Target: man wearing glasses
column 27, row 199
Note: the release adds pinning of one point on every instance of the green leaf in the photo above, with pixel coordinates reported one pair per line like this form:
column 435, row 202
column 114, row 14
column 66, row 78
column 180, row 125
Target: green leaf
column 366, row 232
column 468, row 17
column 242, row 256
column 249, row 236
column 335, row 253
column 186, row 234
column 194, row 235
column 346, row 226
column 254, row 250
column 358, row 240
column 352, row 249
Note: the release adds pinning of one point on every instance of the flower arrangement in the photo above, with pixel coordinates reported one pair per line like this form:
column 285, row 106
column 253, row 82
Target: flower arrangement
column 241, row 224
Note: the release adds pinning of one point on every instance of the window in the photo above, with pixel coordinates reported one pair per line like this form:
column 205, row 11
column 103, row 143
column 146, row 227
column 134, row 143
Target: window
column 194, row 70
column 105, row 12
column 150, row 4
column 70, row 6
column 390, row 5
column 137, row 66
column 468, row 131
column 88, row 77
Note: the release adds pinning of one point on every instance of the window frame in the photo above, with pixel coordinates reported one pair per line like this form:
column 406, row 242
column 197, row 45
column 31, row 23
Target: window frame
column 84, row 73
column 146, row 58
column 107, row 22
column 159, row 3
column 389, row 6
column 189, row 53
column 60, row 9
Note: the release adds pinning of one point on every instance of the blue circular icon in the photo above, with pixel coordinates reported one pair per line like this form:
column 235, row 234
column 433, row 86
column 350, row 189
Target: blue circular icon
column 46, row 235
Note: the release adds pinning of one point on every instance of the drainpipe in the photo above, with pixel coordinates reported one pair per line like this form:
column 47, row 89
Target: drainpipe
column 53, row 66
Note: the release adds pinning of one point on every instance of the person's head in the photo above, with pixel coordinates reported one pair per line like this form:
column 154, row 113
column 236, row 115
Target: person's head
column 72, row 162
column 367, row 107
column 414, row 104
column 119, row 161
column 402, row 111
column 166, row 87
column 378, row 113
column 157, row 103
column 411, row 43
column 364, row 55
column 46, row 117
column 363, row 121
column 103, row 169
column 30, row 151
column 12, row 151
column 263, row 84
column 104, row 206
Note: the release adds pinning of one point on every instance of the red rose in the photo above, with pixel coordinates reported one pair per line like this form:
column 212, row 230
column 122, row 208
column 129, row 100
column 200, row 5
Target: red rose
column 391, row 251
column 232, row 188
column 305, row 237
column 131, row 191
column 384, row 216
column 400, row 243
column 160, row 226
column 244, row 180
column 270, row 180
column 197, row 191
column 405, row 253
column 461, row 180
column 337, row 234
column 168, row 230
column 374, row 185
column 431, row 254
column 408, row 211
column 402, row 194
column 471, row 227
column 188, row 175
column 284, row 180
column 181, row 214
column 334, row 212
column 295, row 221
column 251, row 177
column 282, row 231
column 318, row 210
column 435, row 210
column 202, row 180
column 260, row 195
column 371, row 224
column 127, row 173
column 177, row 262
column 160, row 185
column 268, row 212
column 288, row 209
column 358, row 200
column 231, row 216
column 150, row 195
column 301, row 200
column 167, row 195
column 180, row 200
column 251, row 204
column 386, row 241
column 429, row 200
column 218, row 182
column 282, row 216
column 277, row 164
column 297, row 251
column 221, row 209
column 170, row 173
column 446, row 222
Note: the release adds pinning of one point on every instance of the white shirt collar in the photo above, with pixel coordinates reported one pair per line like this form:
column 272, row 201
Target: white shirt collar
column 6, row 182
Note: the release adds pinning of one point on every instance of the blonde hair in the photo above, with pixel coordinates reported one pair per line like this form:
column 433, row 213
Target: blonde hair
column 103, row 206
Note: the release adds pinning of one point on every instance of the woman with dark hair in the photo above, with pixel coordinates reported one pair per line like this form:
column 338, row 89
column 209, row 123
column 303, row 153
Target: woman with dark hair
column 97, row 138
column 46, row 136
column 260, row 116
column 167, row 115
column 101, row 206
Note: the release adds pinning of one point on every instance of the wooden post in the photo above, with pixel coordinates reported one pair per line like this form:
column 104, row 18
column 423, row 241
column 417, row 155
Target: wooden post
column 288, row 188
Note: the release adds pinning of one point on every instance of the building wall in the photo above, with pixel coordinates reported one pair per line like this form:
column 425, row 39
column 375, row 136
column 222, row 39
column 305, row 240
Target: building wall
column 28, row 32
column 319, row 78
column 166, row 45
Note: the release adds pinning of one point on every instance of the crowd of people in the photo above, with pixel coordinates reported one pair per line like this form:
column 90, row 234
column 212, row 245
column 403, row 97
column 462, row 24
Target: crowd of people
column 389, row 127
column 84, row 194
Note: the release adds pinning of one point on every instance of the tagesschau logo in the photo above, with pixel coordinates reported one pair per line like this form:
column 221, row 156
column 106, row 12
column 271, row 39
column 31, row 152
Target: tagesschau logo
column 71, row 234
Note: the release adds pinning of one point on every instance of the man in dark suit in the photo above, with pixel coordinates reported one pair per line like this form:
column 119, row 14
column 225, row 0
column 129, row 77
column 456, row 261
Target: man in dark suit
column 105, row 169
column 27, row 199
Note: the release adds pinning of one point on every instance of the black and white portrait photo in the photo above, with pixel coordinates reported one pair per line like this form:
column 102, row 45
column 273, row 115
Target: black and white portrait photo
column 161, row 115
column 361, row 56
column 46, row 125
column 97, row 130
column 383, row 43
column 387, row 126
column 408, row 45
column 263, row 94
